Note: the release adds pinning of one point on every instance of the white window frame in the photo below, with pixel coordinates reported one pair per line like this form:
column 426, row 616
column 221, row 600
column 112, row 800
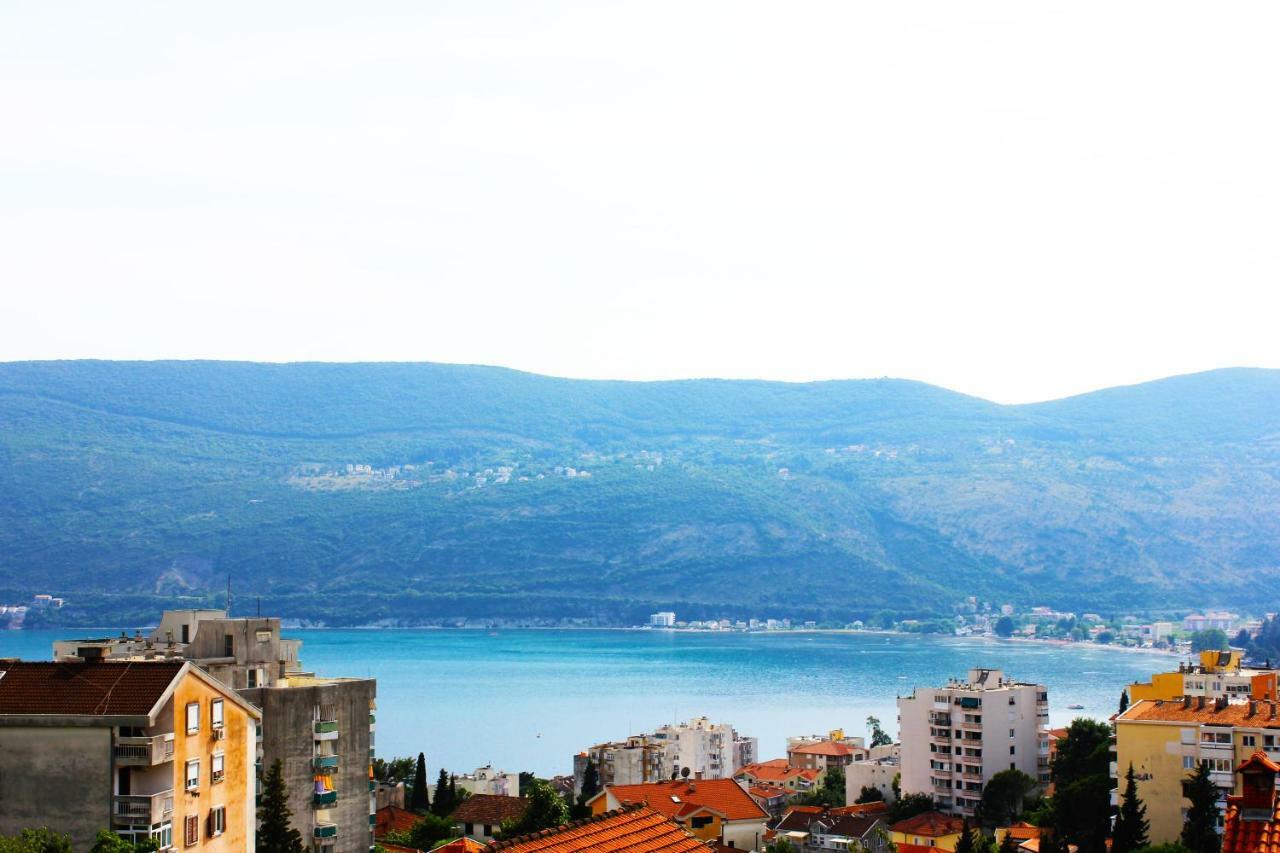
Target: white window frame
column 193, row 710
column 191, row 779
column 216, row 715
column 217, row 768
column 217, row 820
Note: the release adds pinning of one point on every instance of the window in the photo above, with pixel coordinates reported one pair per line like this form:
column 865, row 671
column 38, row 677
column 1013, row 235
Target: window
column 1188, row 735
column 1188, row 762
column 193, row 718
column 253, row 678
column 217, row 820
column 191, row 832
column 1013, row 750
column 186, row 634
column 193, row 774
column 1249, row 740
column 1268, row 741
column 1215, row 737
column 215, row 713
column 700, row 822
column 216, row 772
column 228, row 646
column 1012, row 734
column 1220, row 765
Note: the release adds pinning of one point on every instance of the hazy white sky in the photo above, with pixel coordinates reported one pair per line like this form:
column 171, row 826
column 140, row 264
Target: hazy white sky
column 1019, row 200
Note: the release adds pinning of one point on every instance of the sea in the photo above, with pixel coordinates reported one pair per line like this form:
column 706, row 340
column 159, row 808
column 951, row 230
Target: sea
column 529, row 699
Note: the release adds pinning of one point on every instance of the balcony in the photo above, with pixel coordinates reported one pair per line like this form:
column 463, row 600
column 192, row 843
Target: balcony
column 143, row 751
column 323, row 801
column 326, row 729
column 325, row 762
column 143, row 809
column 326, row 830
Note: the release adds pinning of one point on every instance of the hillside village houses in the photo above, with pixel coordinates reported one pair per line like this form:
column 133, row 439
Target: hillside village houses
column 709, row 751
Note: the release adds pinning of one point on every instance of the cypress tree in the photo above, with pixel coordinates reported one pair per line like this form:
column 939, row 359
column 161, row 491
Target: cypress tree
column 454, row 799
column 1200, row 832
column 590, row 787
column 419, row 801
column 1124, row 701
column 275, row 834
column 965, row 844
column 442, row 805
column 1131, row 827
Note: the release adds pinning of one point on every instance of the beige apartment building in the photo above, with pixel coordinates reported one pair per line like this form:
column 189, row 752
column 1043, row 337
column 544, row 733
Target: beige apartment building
column 954, row 738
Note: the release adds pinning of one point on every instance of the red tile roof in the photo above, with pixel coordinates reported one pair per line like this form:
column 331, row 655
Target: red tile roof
column 461, row 845
column 126, row 689
column 491, row 809
column 777, row 770
column 680, row 797
column 393, row 819
column 767, row 792
column 1234, row 714
column 1260, row 832
column 878, row 807
column 827, row 747
column 634, row 829
column 930, row 825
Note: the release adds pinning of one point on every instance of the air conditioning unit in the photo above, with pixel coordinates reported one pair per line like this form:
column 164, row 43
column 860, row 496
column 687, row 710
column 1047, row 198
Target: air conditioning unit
column 219, row 734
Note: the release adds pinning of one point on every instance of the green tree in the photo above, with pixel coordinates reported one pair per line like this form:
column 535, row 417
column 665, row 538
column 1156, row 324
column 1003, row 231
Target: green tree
column 275, row 834
column 419, row 801
column 1007, row 844
column 910, row 805
column 831, row 793
column 546, row 810
column 878, row 735
column 1004, row 626
column 1124, row 701
column 1243, row 639
column 429, row 830
column 443, row 804
column 965, row 843
column 1081, row 804
column 107, row 841
column 590, row 787
column 394, row 770
column 1131, row 826
column 1200, row 831
column 1209, row 640
column 43, row 840
column 1105, row 637
column 870, row 794
column 781, row 845
column 1004, row 796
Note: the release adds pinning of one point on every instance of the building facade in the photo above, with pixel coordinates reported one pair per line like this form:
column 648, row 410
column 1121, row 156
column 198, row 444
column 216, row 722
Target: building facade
column 1214, row 675
column 709, row 751
column 956, row 737
column 156, row 750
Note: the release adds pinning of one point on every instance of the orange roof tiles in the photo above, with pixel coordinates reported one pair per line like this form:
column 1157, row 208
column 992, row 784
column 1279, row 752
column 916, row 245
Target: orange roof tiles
column 460, row 845
column 777, row 770
column 490, row 809
column 1233, row 714
column 635, row 829
column 930, row 825
column 84, row 689
column 393, row 819
column 878, row 807
column 1260, row 831
column 767, row 792
column 827, row 747
column 680, row 797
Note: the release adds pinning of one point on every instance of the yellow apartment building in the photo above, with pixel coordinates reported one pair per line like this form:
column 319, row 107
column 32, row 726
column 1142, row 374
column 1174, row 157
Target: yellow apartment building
column 157, row 750
column 1216, row 674
column 1165, row 740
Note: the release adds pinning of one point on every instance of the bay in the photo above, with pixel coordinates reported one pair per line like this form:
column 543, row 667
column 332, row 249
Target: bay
column 530, row 699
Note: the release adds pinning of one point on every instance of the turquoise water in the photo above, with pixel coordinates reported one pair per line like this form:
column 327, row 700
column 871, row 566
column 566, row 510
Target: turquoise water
column 530, row 699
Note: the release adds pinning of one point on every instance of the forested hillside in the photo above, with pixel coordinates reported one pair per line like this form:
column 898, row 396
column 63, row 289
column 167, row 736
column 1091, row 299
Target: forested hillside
column 357, row 493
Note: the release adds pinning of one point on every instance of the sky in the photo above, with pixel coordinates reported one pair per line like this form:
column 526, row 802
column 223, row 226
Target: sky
column 1018, row 200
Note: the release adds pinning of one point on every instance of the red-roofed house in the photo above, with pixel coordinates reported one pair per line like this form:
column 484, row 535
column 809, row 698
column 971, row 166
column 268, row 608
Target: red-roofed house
column 780, row 773
column 817, row 829
column 929, row 831
column 1253, row 818
column 392, row 819
column 711, row 809
column 633, row 829
column 771, row 798
column 480, row 816
column 824, row 754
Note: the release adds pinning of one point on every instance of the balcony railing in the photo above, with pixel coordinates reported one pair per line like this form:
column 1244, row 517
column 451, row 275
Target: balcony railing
column 325, row 762
column 324, row 800
column 326, row 729
column 326, row 830
column 143, row 751
column 143, row 809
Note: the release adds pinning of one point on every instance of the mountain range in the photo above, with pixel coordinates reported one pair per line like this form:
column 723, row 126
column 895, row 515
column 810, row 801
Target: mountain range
column 421, row 493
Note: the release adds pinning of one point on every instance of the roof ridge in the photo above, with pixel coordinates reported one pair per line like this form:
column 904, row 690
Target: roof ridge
column 543, row 833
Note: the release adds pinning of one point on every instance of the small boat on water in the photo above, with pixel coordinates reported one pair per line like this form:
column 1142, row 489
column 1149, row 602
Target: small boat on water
column 1076, row 707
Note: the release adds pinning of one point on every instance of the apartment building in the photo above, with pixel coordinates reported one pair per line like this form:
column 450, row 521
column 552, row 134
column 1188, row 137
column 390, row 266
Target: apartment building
column 1214, row 675
column 824, row 752
column 956, row 737
column 486, row 780
column 152, row 750
column 877, row 773
column 709, row 751
column 322, row 729
column 1166, row 740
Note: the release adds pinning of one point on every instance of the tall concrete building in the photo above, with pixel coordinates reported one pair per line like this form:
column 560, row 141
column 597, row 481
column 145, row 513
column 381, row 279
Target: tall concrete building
column 956, row 737
column 322, row 729
column 157, row 751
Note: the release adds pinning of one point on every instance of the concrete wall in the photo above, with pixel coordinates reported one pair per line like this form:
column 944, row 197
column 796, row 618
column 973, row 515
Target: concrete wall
column 288, row 714
column 56, row 777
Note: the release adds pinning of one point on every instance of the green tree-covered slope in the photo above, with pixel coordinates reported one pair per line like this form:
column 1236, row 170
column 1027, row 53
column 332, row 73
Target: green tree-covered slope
column 489, row 492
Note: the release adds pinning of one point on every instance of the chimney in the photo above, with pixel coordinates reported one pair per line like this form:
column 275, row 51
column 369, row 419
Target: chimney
column 1253, row 707
column 1186, row 703
column 1200, row 703
column 1273, row 710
